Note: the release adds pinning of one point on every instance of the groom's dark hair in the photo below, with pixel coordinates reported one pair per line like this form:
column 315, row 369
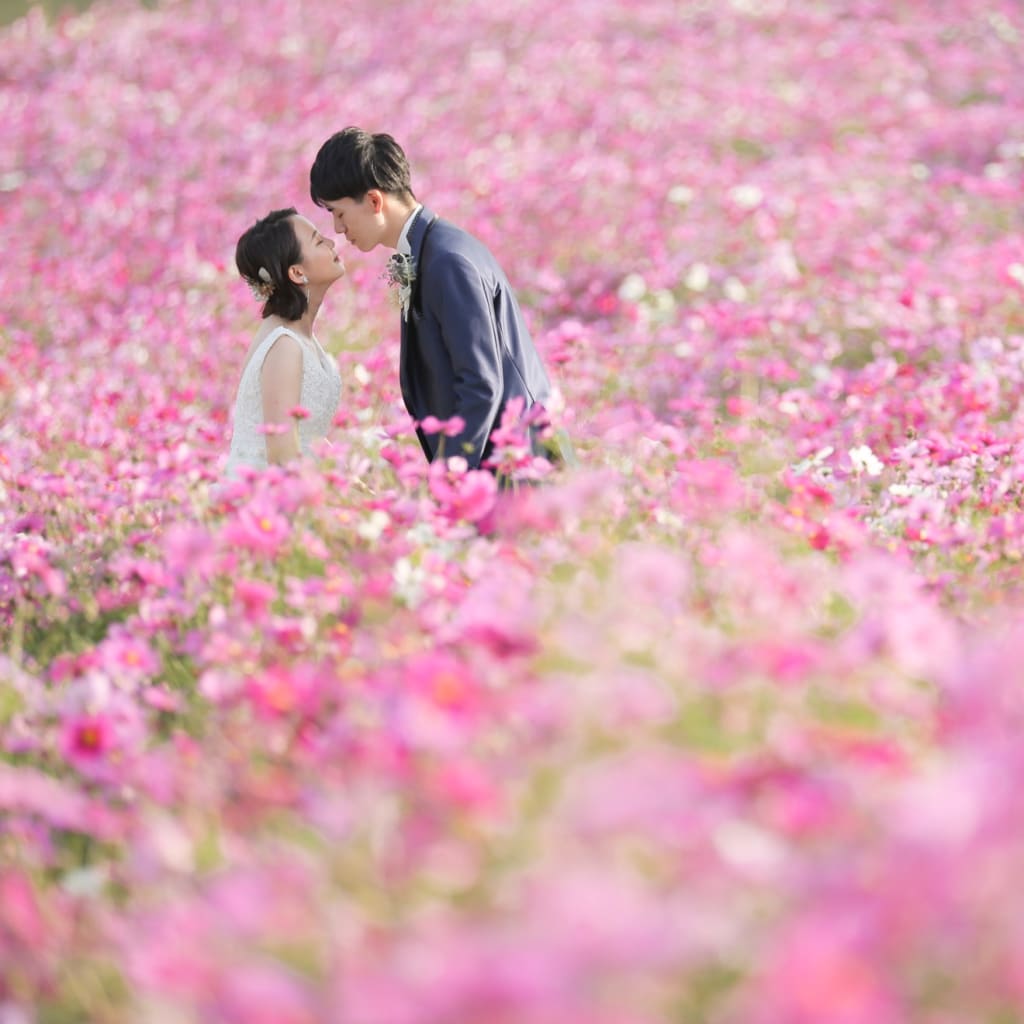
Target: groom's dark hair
column 353, row 161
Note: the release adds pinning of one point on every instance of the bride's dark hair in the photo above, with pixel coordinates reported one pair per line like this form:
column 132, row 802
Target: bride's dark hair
column 263, row 255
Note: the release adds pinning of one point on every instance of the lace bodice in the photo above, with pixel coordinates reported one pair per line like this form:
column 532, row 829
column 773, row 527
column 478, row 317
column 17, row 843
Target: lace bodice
column 321, row 389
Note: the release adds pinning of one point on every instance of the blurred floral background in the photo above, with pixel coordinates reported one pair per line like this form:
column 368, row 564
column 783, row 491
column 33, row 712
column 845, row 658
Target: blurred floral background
column 721, row 725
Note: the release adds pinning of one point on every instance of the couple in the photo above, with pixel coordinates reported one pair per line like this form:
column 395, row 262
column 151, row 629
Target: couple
column 466, row 352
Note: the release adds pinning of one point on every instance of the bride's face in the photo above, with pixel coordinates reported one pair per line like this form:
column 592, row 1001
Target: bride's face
column 320, row 261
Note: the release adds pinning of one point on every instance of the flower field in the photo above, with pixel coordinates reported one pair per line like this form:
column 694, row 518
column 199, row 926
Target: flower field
column 720, row 726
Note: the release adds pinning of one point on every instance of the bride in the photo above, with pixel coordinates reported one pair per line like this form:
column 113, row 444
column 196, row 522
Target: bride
column 289, row 388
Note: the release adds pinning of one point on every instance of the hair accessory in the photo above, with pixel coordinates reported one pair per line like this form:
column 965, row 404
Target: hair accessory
column 264, row 287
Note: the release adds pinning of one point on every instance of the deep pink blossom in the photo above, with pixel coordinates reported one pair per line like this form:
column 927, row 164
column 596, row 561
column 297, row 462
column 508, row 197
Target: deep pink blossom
column 462, row 493
column 87, row 741
column 258, row 528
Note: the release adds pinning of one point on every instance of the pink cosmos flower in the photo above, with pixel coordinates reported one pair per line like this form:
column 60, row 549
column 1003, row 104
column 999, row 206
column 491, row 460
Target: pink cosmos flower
column 265, row 994
column 189, row 549
column 126, row 658
column 466, row 784
column 161, row 699
column 646, row 573
column 257, row 528
column 20, row 914
column 255, row 597
column 168, row 952
column 707, row 487
column 286, row 689
column 512, row 454
column 444, row 680
column 451, row 427
column 498, row 613
column 31, row 558
column 31, row 792
column 818, row 972
column 788, row 661
column 87, row 740
column 463, row 494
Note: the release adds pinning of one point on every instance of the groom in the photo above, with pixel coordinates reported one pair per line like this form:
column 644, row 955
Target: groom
column 465, row 348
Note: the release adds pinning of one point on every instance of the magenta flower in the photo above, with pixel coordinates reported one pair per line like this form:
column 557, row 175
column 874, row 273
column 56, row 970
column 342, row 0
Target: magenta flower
column 444, row 680
column 463, row 494
column 86, row 741
column 258, row 529
column 286, row 689
column 451, row 427
column 255, row 597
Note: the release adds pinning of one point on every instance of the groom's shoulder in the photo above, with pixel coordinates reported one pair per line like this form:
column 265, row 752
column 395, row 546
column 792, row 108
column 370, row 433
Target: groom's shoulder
column 452, row 233
column 454, row 239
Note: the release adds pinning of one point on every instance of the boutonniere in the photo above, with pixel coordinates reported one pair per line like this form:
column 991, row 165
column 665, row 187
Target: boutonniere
column 400, row 274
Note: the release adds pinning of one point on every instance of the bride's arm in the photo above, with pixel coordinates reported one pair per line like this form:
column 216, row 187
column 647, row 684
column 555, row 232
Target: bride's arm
column 281, row 384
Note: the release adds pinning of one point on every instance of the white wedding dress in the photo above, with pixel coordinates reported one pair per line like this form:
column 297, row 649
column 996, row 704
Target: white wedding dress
column 321, row 390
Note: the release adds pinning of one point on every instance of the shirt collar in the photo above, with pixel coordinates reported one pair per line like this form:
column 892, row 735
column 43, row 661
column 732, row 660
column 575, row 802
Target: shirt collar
column 403, row 239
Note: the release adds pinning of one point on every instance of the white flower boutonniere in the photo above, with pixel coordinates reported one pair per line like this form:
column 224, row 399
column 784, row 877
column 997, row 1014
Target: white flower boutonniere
column 400, row 274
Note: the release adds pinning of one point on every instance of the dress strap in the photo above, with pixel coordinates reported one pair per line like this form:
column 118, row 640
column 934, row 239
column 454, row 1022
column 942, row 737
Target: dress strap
column 277, row 332
column 260, row 355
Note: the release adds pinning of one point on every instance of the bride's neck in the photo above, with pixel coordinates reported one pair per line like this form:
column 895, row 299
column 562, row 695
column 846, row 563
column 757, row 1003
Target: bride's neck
column 308, row 319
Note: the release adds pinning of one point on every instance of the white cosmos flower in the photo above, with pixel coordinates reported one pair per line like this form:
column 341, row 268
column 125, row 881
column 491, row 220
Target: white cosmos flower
column 905, row 490
column 735, row 290
column 865, row 461
column 747, row 197
column 680, row 195
column 373, row 527
column 698, row 277
column 633, row 288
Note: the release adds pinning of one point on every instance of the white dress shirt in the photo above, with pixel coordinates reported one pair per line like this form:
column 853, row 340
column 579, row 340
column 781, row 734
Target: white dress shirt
column 403, row 239
column 405, row 249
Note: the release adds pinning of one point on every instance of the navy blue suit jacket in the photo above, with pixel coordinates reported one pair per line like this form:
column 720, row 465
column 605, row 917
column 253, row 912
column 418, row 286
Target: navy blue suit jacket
column 465, row 348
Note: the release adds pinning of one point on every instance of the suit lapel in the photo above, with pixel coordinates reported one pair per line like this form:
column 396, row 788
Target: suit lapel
column 419, row 228
column 416, row 234
column 403, row 362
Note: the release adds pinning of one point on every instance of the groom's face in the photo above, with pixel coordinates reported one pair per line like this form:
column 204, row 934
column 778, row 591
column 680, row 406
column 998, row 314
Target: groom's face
column 358, row 220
